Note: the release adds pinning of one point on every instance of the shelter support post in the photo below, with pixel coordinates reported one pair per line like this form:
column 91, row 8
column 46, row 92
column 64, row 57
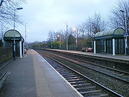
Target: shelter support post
column 14, row 49
column 94, row 47
column 126, row 45
column 23, row 47
column 20, row 46
column 113, row 45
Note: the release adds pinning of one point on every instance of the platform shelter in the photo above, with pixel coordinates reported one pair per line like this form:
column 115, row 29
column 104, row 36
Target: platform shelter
column 110, row 42
column 14, row 39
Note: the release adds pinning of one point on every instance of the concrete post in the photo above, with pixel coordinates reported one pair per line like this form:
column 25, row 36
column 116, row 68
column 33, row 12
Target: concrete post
column 113, row 46
column 94, row 47
column 20, row 46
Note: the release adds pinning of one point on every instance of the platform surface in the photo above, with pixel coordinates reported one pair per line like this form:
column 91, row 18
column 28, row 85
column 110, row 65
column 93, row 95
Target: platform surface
column 33, row 76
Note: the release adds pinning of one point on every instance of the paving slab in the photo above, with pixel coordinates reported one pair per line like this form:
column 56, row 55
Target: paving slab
column 21, row 81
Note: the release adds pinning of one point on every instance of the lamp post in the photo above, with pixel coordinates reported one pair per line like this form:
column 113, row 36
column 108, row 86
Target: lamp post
column 67, row 45
column 59, row 36
column 14, row 40
column 2, row 34
column 20, row 8
column 76, row 32
column 126, row 29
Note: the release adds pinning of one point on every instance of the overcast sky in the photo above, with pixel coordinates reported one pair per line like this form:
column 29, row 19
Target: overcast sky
column 41, row 16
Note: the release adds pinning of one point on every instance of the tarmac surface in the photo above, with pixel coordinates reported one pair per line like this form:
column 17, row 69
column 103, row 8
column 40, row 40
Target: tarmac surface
column 32, row 76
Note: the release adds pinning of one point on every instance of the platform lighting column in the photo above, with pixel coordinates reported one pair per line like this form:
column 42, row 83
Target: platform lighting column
column 14, row 40
column 67, row 45
column 14, row 48
column 94, row 47
column 75, row 30
column 113, row 46
column 24, row 44
column 59, row 36
column 76, row 38
column 2, row 35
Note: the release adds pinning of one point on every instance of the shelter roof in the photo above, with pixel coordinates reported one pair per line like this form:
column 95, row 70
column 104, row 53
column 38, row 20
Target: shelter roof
column 12, row 34
column 119, row 32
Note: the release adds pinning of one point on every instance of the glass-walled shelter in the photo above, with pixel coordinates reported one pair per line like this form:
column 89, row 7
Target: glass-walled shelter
column 110, row 42
column 14, row 39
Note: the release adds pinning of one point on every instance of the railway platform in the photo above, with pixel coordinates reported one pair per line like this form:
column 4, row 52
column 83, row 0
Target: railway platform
column 33, row 76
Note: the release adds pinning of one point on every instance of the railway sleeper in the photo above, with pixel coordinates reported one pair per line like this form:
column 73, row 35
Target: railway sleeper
column 84, row 83
column 91, row 93
column 69, row 75
column 73, row 80
column 86, row 88
column 81, row 85
column 101, row 95
column 72, row 77
column 60, row 69
column 66, row 73
column 77, row 82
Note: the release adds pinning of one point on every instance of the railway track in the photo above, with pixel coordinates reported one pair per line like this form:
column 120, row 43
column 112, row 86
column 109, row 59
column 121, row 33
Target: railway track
column 109, row 62
column 114, row 73
column 96, row 64
column 86, row 86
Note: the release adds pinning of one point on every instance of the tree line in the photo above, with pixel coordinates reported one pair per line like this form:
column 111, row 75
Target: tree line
column 7, row 10
column 81, row 36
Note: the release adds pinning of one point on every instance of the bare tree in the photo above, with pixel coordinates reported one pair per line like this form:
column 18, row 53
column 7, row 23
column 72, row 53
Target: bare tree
column 96, row 24
column 120, row 15
column 7, row 9
column 83, row 30
column 51, row 36
column 93, row 25
column 1, row 2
